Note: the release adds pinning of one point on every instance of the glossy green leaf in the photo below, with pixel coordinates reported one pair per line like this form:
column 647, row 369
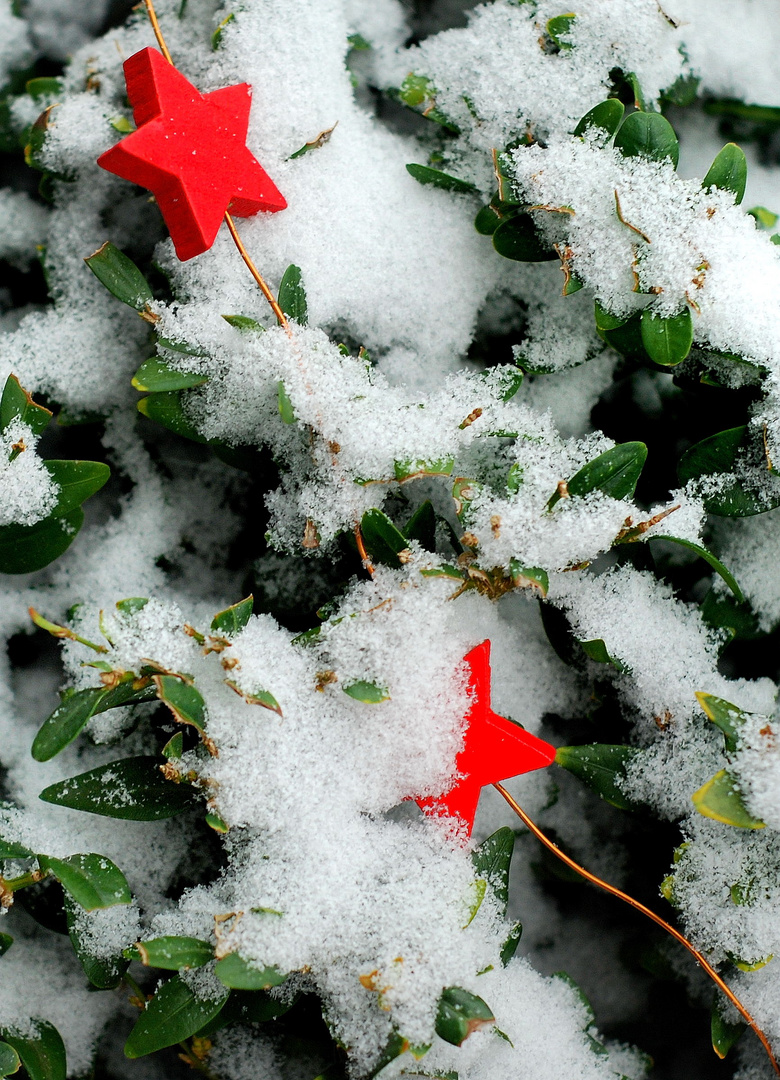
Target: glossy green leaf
column 174, row 748
column 9, row 1060
column 292, row 295
column 421, row 526
column 559, row 27
column 233, row 619
column 93, row 881
column 237, row 973
column 173, row 1014
column 75, row 712
column 602, row 767
column 156, row 375
column 17, row 404
column 702, row 552
column 77, row 481
column 460, row 1014
column 615, row 472
column 284, row 404
column 184, row 700
column 105, row 972
column 596, row 649
column 492, row 860
column 722, row 612
column 120, row 276
column 724, row 1033
column 721, row 799
column 133, row 789
column 257, row 696
column 525, row 577
column 606, row 117
column 718, row 454
column 367, row 692
column 418, row 93
column 728, row 172
column 382, row 539
column 165, row 408
column 27, row 548
column 509, row 948
column 244, row 323
column 425, row 175
column 42, row 1053
column 729, row 718
column 487, row 220
column 171, row 953
column 6, row 941
column 517, row 238
column 9, row 850
column 668, row 340
column 647, row 134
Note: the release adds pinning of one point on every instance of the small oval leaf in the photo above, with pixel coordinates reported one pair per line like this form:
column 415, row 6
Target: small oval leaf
column 668, row 340
column 155, row 375
column 425, row 175
column 602, row 767
column 133, row 789
column 173, row 1014
column 647, row 134
column 728, row 172
column 171, row 953
column 93, row 881
column 237, row 973
column 721, row 799
column 120, row 276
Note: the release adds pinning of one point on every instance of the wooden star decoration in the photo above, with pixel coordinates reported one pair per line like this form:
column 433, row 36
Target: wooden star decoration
column 494, row 749
column 190, row 151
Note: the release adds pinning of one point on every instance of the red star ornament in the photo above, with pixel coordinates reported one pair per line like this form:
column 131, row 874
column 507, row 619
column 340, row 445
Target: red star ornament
column 495, row 749
column 190, row 150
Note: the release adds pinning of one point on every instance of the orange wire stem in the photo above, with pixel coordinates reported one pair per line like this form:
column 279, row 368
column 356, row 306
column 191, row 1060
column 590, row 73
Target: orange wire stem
column 157, row 31
column 362, row 550
column 594, row 880
column 280, row 316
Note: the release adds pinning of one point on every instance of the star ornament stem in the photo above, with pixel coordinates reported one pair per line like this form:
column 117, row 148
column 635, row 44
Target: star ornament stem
column 190, row 151
column 494, row 748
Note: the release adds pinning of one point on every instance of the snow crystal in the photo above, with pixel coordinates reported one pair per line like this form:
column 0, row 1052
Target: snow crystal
column 28, row 491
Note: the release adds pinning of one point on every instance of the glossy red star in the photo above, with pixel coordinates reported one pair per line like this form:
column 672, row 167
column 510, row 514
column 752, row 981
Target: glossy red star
column 495, row 749
column 190, row 150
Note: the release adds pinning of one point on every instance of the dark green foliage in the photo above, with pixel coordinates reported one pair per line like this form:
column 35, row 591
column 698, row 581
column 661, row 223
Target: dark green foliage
column 292, row 295
column 120, row 276
column 460, row 1014
column 602, row 767
column 647, row 134
column 133, row 789
column 173, row 1014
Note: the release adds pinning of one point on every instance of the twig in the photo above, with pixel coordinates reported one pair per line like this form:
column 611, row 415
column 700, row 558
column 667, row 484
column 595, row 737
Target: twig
column 719, row 982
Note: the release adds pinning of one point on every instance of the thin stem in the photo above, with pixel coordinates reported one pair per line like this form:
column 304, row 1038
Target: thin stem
column 157, row 31
column 280, row 315
column 139, row 994
column 540, row 836
column 362, row 550
column 194, row 1061
column 281, row 318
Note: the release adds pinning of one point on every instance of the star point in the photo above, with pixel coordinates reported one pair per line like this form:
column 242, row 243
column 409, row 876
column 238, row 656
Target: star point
column 495, row 748
column 189, row 150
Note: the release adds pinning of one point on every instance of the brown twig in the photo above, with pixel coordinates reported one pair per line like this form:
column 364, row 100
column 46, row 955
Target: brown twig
column 362, row 550
column 646, row 911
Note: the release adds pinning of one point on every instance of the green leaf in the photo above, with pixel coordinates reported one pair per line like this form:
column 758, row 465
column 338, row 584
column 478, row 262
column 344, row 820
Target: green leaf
column 714, row 562
column 509, row 948
column 668, row 340
column 421, row 526
column 173, row 1014
column 233, row 619
column 258, row 696
column 606, row 116
column 171, row 953
column 43, row 86
column 492, row 860
column 93, row 881
column 42, row 1054
column 367, row 692
column 120, row 276
column 524, row 577
column 383, row 541
column 558, row 26
column 217, row 823
column 180, row 347
column 132, row 604
column 75, row 712
column 765, row 219
column 216, row 37
column 6, row 941
column 286, row 410
column 17, row 404
column 420, row 467
column 10, row 850
column 596, row 649
column 647, row 134
column 517, row 238
column 185, row 701
column 243, row 322
column 729, row 718
column 105, row 971
column 315, row 143
column 728, row 172
column 9, row 1060
column 425, row 175
column 133, row 789
column 487, row 220
column 237, row 973
column 395, row 1047
column 478, row 890
column 156, row 375
column 77, row 481
column 174, row 748
column 418, row 93
column 615, row 472
column 721, row 800
column 724, row 1033
column 292, row 295
column 27, row 548
column 718, row 454
column 165, row 408
column 602, row 767
column 721, row 612
column 460, row 1013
